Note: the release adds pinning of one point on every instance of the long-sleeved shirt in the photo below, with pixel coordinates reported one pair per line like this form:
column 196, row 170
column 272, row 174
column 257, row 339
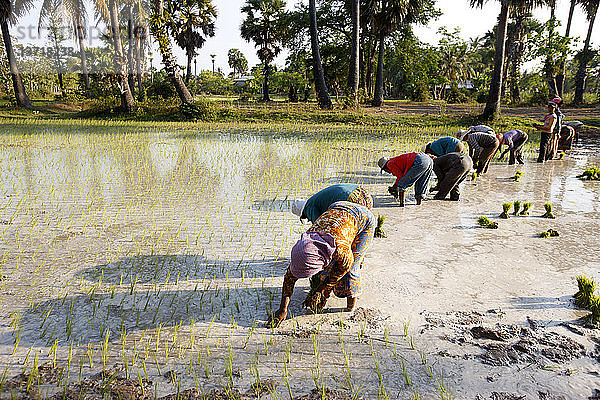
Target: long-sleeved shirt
column 399, row 165
column 549, row 121
column 510, row 137
column 478, row 140
column 443, row 145
column 320, row 201
column 481, row 128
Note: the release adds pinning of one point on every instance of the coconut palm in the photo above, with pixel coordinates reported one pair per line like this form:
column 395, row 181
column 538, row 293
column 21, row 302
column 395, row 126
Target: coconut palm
column 264, row 25
column 6, row 14
column 390, row 16
column 158, row 26
column 74, row 12
column 591, row 9
column 191, row 22
column 354, row 70
column 237, row 62
column 320, row 86
column 492, row 106
column 560, row 78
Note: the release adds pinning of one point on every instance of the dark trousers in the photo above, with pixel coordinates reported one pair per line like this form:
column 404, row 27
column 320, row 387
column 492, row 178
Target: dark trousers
column 484, row 157
column 449, row 180
column 516, row 151
column 545, row 147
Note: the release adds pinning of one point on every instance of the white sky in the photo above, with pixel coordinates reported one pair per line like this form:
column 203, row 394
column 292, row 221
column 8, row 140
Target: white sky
column 456, row 13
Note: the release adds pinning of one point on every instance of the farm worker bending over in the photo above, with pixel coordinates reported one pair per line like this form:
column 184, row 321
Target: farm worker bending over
column 332, row 250
column 514, row 141
column 482, row 147
column 546, row 137
column 451, row 169
column 443, row 146
column 318, row 203
column 409, row 169
column 479, row 128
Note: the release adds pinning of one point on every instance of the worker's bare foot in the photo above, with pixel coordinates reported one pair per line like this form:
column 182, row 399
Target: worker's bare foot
column 419, row 201
column 350, row 303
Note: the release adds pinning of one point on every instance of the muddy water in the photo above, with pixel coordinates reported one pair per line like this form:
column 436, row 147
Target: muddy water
column 162, row 236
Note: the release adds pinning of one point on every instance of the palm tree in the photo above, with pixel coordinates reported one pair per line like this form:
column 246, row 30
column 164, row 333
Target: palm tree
column 492, row 106
column 264, row 25
column 560, row 78
column 192, row 21
column 158, row 27
column 6, row 13
column 320, row 86
column 591, row 9
column 74, row 12
column 392, row 14
column 354, row 70
column 108, row 10
column 237, row 62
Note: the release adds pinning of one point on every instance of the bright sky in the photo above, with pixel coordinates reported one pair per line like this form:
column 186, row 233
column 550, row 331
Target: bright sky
column 456, row 13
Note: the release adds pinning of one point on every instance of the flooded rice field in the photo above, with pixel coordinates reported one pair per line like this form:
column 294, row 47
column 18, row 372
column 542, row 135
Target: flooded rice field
column 143, row 263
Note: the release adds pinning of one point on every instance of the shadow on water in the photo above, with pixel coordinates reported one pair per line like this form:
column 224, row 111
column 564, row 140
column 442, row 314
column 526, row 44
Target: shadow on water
column 540, row 303
column 170, row 268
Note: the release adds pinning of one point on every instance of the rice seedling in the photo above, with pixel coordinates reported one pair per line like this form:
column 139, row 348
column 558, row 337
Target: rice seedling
column 379, row 233
column 526, row 207
column 595, row 309
column 505, row 209
column 585, row 294
column 548, row 214
column 544, row 234
column 485, row 222
column 516, row 207
column 517, row 176
column 590, row 174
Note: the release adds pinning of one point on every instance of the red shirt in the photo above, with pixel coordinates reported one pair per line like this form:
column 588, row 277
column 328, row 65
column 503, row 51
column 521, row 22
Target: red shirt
column 400, row 165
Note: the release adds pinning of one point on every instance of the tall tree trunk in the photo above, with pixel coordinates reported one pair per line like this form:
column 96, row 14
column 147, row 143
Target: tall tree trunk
column 320, row 86
column 370, row 62
column 516, row 53
column 560, row 78
column 83, row 56
column 127, row 101
column 20, row 92
column 549, row 63
column 378, row 96
column 266, row 73
column 140, row 38
column 157, row 27
column 353, row 71
column 130, row 49
column 492, row 106
column 583, row 61
column 188, row 72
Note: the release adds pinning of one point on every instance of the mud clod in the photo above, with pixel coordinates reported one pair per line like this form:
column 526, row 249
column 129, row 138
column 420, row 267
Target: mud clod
column 480, row 332
column 262, row 388
column 329, row 395
column 548, row 395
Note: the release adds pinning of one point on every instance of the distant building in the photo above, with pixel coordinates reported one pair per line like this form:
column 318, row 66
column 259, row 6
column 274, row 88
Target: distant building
column 242, row 80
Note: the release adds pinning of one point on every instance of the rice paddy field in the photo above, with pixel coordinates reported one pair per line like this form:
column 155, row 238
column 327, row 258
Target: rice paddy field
column 142, row 261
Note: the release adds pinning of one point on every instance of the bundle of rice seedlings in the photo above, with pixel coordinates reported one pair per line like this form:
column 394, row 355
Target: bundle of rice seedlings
column 590, row 174
column 585, row 294
column 526, row 207
column 595, row 309
column 473, row 176
column 506, row 209
column 379, row 233
column 516, row 207
column 486, row 223
column 561, row 155
column 549, row 233
column 544, row 234
column 517, row 176
column 548, row 213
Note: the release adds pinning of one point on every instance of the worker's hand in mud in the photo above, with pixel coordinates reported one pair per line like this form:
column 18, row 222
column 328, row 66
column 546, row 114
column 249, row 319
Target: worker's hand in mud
column 315, row 301
column 276, row 318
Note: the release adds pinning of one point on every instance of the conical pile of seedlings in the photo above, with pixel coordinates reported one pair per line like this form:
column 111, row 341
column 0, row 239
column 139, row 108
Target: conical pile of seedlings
column 505, row 210
column 526, row 207
column 486, row 223
column 549, row 233
column 379, row 233
column 585, row 298
column 548, row 214
column 517, row 176
column 590, row 174
column 516, row 207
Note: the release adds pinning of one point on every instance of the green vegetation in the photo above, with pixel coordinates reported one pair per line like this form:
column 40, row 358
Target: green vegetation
column 548, row 213
column 590, row 174
column 586, row 297
column 486, row 223
column 379, row 233
column 526, row 207
column 516, row 207
column 517, row 176
column 548, row 233
column 505, row 209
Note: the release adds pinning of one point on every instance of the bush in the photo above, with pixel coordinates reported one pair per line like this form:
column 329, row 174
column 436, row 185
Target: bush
column 161, row 88
column 455, row 95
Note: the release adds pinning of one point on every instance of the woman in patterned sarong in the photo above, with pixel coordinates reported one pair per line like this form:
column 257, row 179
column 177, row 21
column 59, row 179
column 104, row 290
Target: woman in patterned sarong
column 334, row 248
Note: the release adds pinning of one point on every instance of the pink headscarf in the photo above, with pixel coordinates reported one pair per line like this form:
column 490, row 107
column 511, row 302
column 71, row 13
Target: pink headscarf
column 311, row 254
column 556, row 100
